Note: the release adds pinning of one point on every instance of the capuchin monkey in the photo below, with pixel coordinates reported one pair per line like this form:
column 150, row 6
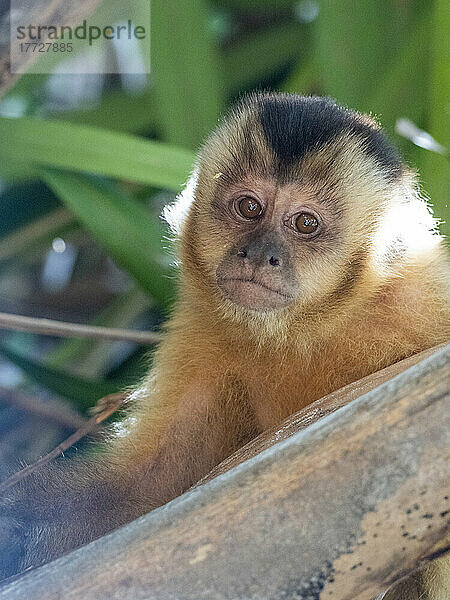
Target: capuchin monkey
column 308, row 261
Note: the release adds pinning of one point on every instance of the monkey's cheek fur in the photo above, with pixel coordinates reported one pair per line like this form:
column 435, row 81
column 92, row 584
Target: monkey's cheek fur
column 253, row 295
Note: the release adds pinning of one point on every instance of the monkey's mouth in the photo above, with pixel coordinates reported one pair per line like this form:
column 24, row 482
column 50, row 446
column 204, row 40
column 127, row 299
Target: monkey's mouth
column 253, row 294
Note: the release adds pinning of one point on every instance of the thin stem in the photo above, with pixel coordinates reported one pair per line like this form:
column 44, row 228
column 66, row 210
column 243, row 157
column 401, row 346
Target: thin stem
column 62, row 329
column 104, row 408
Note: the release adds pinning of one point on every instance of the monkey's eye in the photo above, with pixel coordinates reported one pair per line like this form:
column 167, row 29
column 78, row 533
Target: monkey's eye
column 305, row 223
column 249, row 208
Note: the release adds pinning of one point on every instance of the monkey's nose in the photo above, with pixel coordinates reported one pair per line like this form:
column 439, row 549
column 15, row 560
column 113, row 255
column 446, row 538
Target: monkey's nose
column 274, row 262
column 260, row 258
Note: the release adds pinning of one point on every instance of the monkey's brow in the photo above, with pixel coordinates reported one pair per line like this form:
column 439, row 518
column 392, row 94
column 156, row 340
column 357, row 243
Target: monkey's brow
column 322, row 190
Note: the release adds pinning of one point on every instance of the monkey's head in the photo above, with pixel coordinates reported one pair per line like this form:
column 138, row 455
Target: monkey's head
column 292, row 202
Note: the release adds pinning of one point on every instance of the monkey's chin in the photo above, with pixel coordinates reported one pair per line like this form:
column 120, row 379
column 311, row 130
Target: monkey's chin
column 253, row 295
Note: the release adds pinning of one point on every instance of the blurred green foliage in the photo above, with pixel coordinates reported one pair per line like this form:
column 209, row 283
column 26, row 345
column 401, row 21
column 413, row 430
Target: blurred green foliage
column 389, row 58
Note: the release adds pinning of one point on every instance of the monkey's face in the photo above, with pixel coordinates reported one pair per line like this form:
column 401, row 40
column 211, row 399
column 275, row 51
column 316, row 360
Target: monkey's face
column 269, row 229
column 289, row 194
column 272, row 245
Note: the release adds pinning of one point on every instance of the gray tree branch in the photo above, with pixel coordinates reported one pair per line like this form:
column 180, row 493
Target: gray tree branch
column 339, row 510
column 62, row 329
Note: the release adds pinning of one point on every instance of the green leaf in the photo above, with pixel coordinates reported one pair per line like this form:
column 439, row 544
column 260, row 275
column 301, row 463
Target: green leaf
column 121, row 225
column 12, row 169
column 303, row 78
column 436, row 174
column 33, row 141
column 353, row 46
column 257, row 55
column 118, row 111
column 246, row 6
column 187, row 77
column 84, row 393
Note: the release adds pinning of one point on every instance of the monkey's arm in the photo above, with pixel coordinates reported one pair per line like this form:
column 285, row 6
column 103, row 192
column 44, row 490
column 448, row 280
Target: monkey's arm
column 176, row 442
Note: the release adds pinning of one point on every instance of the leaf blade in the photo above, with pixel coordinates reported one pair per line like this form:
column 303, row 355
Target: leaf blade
column 82, row 392
column 34, row 141
column 121, row 225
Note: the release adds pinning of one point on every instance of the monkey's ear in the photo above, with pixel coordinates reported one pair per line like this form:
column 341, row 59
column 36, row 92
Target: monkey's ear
column 175, row 213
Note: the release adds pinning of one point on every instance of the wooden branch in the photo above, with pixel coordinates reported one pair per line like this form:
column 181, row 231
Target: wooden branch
column 57, row 12
column 338, row 510
column 104, row 408
column 61, row 329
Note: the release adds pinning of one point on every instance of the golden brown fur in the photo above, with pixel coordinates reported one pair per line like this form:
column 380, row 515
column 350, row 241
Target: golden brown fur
column 370, row 291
